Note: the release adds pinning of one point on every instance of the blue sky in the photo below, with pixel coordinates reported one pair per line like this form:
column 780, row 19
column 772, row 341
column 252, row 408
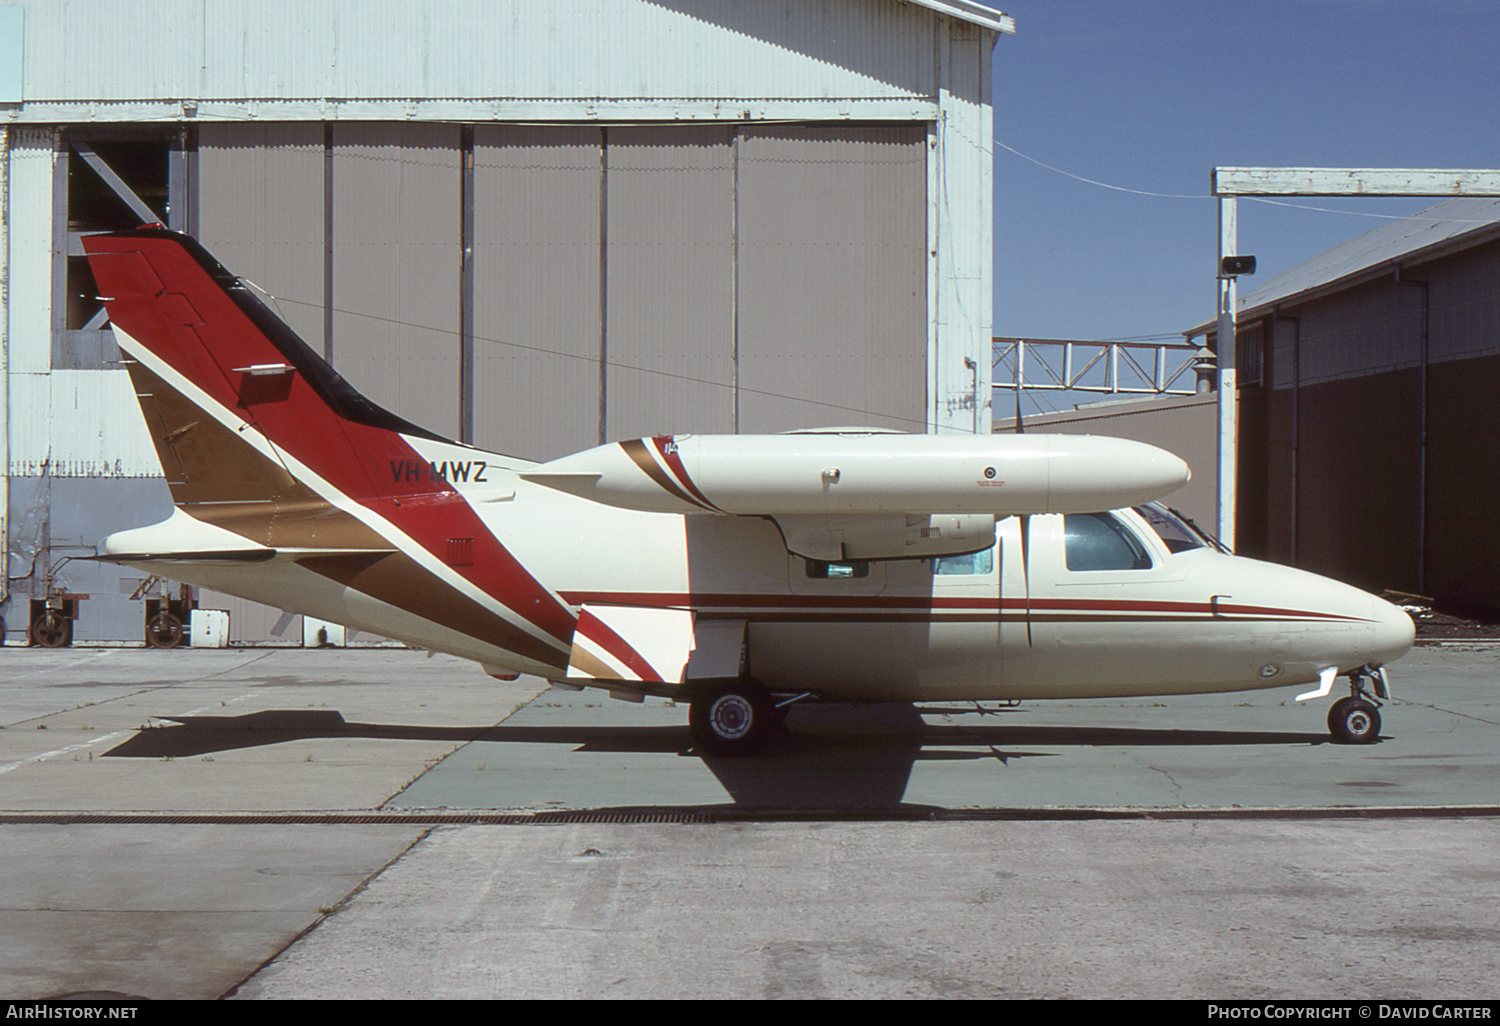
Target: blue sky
column 1151, row 95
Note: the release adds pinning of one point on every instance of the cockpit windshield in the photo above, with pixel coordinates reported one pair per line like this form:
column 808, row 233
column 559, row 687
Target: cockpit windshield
column 1175, row 531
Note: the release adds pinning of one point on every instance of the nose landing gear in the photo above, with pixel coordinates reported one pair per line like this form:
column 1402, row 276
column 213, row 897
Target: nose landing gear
column 1355, row 720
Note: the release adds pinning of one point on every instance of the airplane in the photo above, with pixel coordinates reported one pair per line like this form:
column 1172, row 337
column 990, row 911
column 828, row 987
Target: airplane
column 741, row 574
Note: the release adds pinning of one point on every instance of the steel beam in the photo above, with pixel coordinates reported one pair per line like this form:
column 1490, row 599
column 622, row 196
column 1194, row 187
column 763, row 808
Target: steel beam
column 1342, row 181
column 116, row 183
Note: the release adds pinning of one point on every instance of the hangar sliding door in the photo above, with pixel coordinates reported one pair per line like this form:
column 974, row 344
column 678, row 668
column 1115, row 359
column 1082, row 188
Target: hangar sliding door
column 832, row 277
column 670, row 275
column 536, row 288
column 624, row 280
column 259, row 207
column 260, row 211
column 396, row 261
column 603, row 285
column 354, row 229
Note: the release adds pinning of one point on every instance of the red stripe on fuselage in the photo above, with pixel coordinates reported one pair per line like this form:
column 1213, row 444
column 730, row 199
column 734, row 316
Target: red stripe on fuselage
column 1136, row 609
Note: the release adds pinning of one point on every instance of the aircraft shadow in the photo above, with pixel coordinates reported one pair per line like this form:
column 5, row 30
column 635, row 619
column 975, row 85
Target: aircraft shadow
column 203, row 735
column 861, row 757
column 830, row 758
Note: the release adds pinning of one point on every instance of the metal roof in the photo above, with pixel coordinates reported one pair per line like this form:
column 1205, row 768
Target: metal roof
column 1445, row 228
column 976, row 14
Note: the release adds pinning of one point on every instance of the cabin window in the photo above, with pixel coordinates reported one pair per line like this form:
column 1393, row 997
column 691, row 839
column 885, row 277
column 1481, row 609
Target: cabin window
column 1174, row 533
column 1097, row 541
column 821, row 571
column 982, row 562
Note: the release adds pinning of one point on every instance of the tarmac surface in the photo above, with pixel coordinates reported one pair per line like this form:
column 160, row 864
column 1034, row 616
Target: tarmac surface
column 373, row 823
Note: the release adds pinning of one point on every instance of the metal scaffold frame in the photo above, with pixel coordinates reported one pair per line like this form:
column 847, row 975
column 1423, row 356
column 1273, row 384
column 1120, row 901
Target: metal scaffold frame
column 1124, row 369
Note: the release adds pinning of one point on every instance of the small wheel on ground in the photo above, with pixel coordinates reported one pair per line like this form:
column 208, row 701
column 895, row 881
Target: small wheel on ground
column 732, row 719
column 164, row 631
column 1354, row 721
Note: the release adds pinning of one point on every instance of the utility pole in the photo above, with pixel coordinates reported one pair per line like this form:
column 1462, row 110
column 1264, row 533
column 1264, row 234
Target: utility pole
column 1228, row 397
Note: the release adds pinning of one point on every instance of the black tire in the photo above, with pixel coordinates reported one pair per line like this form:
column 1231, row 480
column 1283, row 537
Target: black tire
column 51, row 630
column 732, row 719
column 1354, row 721
column 164, row 631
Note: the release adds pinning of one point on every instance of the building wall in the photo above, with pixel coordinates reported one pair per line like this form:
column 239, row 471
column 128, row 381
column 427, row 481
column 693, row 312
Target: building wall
column 1183, row 425
column 1463, row 480
column 1334, row 475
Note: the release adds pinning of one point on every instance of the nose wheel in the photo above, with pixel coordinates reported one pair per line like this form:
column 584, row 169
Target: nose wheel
column 1355, row 720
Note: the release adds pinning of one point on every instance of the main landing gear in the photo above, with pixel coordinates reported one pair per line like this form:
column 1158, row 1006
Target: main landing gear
column 1355, row 720
column 736, row 718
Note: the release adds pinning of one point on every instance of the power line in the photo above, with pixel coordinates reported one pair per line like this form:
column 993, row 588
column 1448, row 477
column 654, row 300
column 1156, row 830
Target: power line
column 1257, row 199
column 612, row 364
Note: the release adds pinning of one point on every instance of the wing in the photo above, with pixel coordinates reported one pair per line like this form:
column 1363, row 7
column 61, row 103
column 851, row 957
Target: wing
column 852, row 494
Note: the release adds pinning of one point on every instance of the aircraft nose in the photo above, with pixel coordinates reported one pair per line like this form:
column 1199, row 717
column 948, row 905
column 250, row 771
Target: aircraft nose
column 1394, row 631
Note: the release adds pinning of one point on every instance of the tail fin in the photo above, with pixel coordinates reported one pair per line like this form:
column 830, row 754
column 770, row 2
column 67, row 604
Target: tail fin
column 200, row 339
column 259, row 436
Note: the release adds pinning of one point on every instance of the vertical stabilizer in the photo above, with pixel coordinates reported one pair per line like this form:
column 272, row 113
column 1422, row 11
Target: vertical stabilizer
column 258, row 436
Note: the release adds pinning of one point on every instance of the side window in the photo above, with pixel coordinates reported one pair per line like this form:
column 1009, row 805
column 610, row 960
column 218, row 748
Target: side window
column 1175, row 535
column 821, row 571
column 1097, row 541
column 981, row 562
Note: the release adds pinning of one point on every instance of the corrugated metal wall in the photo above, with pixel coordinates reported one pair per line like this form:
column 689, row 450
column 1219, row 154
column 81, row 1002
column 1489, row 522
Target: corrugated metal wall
column 1465, row 307
column 537, row 226
column 602, row 52
column 670, row 280
column 1338, row 435
column 79, row 424
column 832, row 285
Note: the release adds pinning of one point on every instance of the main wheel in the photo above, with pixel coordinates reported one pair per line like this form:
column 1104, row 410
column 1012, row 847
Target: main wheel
column 51, row 630
column 1354, row 721
column 732, row 719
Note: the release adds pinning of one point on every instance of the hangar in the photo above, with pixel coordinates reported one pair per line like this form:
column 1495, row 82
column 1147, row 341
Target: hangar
column 529, row 226
column 1367, row 384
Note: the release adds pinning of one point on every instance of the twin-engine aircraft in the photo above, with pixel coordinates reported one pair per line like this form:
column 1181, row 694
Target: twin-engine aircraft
column 739, row 573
